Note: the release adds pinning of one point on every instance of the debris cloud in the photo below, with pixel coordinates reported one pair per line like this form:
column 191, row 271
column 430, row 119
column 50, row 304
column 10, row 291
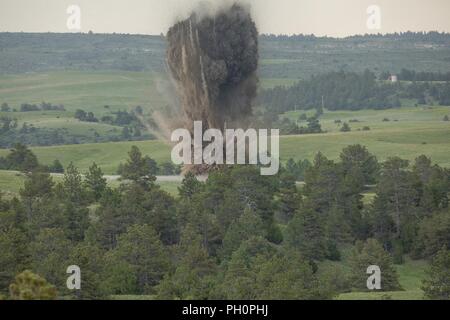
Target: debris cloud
column 213, row 58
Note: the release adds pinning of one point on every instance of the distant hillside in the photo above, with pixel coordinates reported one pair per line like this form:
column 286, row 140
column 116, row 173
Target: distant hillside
column 281, row 56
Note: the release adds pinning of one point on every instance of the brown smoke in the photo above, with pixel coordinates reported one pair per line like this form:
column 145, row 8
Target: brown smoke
column 213, row 61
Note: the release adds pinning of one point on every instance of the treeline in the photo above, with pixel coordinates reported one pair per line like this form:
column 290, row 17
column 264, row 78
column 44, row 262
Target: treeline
column 131, row 130
column 150, row 165
column 304, row 125
column 351, row 91
column 334, row 91
column 132, row 126
column 22, row 159
column 28, row 107
column 118, row 118
column 433, row 36
column 411, row 75
column 239, row 235
column 30, row 135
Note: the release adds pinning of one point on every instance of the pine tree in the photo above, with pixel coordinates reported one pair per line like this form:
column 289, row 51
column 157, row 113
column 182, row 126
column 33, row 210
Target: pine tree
column 190, row 186
column 76, row 221
column 95, row 182
column 289, row 198
column 30, row 286
column 345, row 127
column 14, row 255
column 195, row 271
column 21, row 158
column 49, row 253
column 433, row 233
column 91, row 262
column 357, row 161
column 437, row 284
column 136, row 168
column 305, row 233
column 239, row 280
column 141, row 248
column 287, row 276
column 72, row 186
column 56, row 167
column 368, row 254
column 37, row 185
column 400, row 191
column 248, row 225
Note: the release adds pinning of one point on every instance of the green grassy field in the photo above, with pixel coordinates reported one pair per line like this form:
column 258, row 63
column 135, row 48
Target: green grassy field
column 410, row 132
column 10, row 182
column 89, row 91
column 417, row 131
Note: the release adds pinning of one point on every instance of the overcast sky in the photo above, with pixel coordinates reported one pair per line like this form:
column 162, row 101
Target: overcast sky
column 320, row 17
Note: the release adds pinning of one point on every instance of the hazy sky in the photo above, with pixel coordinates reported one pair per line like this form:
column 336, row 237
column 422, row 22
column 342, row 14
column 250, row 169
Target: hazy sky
column 321, row 17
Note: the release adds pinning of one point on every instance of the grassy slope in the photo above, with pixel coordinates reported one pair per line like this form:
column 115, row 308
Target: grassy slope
column 90, row 91
column 10, row 182
column 418, row 131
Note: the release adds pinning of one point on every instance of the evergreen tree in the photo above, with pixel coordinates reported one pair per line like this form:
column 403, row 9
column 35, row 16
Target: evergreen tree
column 305, row 233
column 30, row 286
column 95, row 182
column 289, row 198
column 190, row 186
column 345, row 127
column 195, row 271
column 248, row 225
column 21, row 158
column 399, row 189
column 368, row 254
column 239, row 279
column 437, row 284
column 288, row 276
column 91, row 262
column 136, row 168
column 56, row 167
column 14, row 251
column 433, row 234
column 141, row 248
column 72, row 186
column 76, row 221
column 152, row 165
column 357, row 161
column 49, row 254
column 37, row 185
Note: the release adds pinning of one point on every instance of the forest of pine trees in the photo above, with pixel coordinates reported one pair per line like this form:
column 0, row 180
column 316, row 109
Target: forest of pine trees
column 238, row 235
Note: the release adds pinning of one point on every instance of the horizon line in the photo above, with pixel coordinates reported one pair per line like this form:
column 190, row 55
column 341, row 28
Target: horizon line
column 91, row 32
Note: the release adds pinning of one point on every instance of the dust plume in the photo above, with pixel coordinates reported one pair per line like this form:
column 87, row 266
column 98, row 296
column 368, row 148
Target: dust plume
column 212, row 58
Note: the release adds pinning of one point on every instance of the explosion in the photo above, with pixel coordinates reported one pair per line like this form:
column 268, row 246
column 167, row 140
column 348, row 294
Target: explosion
column 213, row 61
